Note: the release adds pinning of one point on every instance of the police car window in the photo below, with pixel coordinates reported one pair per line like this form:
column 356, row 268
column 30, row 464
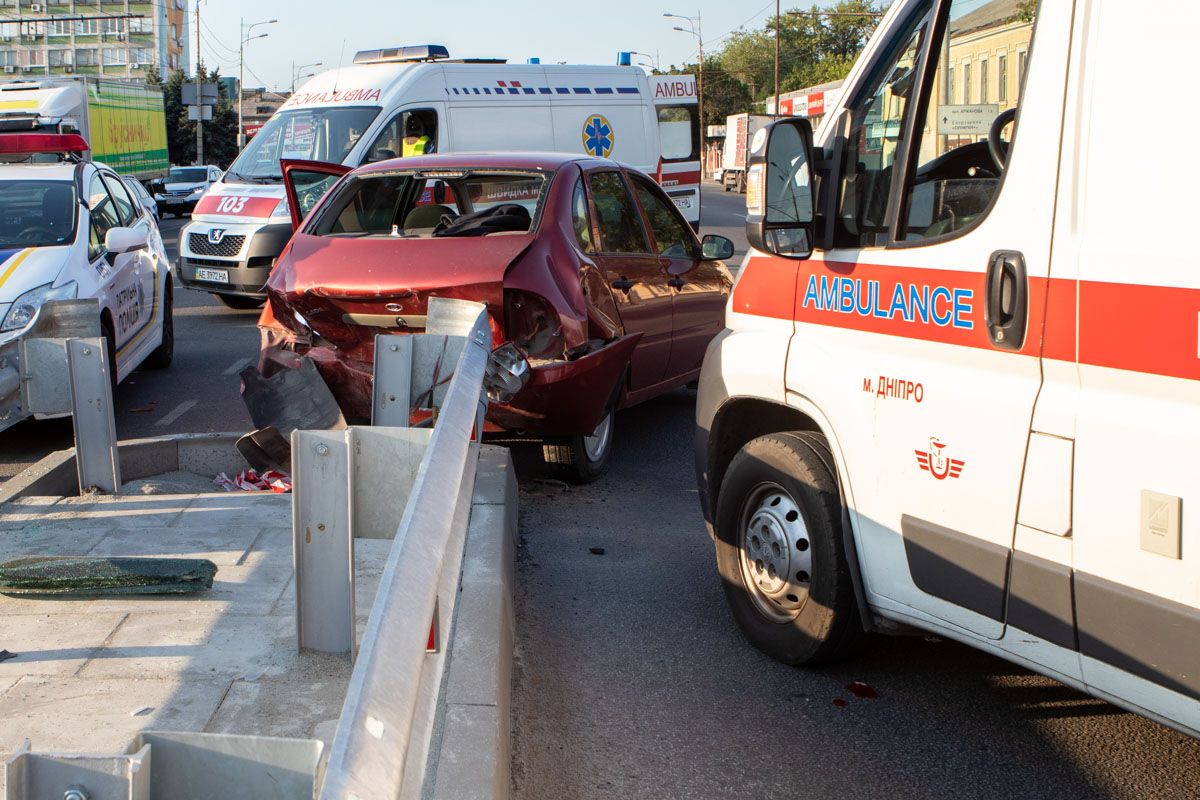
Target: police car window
column 581, row 219
column 104, row 212
column 127, row 209
column 37, row 213
column 873, row 143
column 409, row 133
column 671, row 237
column 620, row 229
column 957, row 169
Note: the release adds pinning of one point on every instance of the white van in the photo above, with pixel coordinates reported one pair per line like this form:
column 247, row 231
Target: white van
column 415, row 100
column 959, row 389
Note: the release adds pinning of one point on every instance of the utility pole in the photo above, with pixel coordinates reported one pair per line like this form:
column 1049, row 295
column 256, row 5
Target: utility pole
column 777, row 58
column 199, row 95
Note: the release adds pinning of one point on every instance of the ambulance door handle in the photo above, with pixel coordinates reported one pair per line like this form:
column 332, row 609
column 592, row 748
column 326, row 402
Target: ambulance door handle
column 1006, row 300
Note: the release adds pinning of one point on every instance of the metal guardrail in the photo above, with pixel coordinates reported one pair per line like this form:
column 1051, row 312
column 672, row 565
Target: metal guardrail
column 380, row 747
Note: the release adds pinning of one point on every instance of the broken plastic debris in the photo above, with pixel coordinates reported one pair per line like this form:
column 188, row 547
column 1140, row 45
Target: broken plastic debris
column 141, row 712
column 596, row 551
column 249, row 480
column 89, row 577
column 839, row 702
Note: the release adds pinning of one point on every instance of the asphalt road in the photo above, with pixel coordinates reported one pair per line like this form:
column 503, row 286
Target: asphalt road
column 632, row 680
column 198, row 393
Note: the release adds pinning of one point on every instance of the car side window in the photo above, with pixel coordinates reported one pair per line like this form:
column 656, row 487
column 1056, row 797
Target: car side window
column 620, row 229
column 409, row 133
column 873, row 145
column 672, row 238
column 126, row 207
column 103, row 215
column 956, row 171
column 581, row 219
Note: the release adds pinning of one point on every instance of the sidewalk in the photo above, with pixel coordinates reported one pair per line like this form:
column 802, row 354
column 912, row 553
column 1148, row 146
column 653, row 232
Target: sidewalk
column 91, row 674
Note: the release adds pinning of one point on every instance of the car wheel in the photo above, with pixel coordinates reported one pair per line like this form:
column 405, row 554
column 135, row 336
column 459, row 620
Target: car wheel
column 240, row 303
column 110, row 345
column 780, row 550
column 160, row 357
column 583, row 459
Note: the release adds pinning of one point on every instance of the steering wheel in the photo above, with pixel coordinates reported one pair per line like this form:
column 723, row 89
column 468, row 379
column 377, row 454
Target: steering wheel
column 997, row 147
column 31, row 234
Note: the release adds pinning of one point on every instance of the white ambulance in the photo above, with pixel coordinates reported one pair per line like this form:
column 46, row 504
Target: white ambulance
column 410, row 100
column 959, row 390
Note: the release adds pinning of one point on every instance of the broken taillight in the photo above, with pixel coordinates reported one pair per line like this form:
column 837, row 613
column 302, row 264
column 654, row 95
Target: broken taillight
column 532, row 324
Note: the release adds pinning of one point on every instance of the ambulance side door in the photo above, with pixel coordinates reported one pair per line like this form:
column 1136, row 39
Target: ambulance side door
column 935, row 237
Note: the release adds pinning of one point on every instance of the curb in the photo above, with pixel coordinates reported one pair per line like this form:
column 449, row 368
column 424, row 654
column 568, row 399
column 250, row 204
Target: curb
column 469, row 756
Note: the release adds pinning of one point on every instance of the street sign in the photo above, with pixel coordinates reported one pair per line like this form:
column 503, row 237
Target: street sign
column 208, row 95
column 967, row 120
column 199, row 113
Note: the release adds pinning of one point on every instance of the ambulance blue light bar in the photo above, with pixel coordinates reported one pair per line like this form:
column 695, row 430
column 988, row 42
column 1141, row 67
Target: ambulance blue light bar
column 35, row 143
column 424, row 52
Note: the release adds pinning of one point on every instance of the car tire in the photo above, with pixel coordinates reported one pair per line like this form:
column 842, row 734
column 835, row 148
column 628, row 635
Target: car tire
column 240, row 303
column 780, row 551
column 160, row 357
column 583, row 459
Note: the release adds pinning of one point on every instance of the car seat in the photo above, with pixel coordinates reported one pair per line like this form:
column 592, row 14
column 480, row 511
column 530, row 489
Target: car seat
column 427, row 216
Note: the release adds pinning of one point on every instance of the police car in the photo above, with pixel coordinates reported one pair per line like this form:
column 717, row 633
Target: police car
column 959, row 388
column 70, row 230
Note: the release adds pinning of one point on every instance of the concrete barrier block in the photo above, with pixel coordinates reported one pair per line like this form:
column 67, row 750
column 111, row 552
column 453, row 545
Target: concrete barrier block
column 210, row 453
column 142, row 458
column 474, row 762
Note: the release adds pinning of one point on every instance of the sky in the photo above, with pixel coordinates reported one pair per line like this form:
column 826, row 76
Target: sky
column 579, row 33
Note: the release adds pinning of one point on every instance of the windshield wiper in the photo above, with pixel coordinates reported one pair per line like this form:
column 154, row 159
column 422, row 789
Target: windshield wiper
column 255, row 178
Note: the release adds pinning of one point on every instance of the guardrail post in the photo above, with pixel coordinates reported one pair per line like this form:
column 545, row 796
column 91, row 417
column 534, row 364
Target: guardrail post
column 92, row 408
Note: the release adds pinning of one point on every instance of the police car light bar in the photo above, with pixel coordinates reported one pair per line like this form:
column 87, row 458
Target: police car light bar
column 33, row 143
column 424, row 52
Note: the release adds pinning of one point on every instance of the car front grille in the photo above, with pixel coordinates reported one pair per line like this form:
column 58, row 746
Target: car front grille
column 178, row 194
column 228, row 247
column 209, row 262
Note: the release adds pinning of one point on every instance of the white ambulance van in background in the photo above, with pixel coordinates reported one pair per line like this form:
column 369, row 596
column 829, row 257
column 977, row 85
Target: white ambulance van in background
column 364, row 112
column 959, row 389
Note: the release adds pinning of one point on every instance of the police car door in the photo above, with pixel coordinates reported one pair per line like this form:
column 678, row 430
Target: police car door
column 144, row 264
column 929, row 302
column 118, row 271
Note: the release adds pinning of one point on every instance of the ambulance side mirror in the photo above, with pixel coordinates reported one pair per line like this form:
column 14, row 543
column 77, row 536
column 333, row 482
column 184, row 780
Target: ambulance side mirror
column 780, row 189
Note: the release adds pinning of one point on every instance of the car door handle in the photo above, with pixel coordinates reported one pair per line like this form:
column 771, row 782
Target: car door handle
column 622, row 284
column 1006, row 300
column 677, row 282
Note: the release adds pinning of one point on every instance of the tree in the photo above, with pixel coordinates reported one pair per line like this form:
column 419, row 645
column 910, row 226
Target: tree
column 220, row 133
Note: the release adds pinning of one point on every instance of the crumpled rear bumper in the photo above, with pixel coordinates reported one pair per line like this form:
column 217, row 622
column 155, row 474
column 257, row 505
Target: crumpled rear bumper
column 11, row 410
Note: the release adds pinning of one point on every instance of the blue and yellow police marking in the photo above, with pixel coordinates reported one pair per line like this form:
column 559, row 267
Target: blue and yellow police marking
column 598, row 136
column 10, row 262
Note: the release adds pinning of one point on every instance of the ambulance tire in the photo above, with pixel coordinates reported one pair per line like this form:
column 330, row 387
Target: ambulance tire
column 824, row 625
column 239, row 303
column 160, row 357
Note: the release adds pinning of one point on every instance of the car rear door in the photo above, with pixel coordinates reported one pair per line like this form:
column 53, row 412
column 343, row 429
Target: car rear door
column 638, row 276
column 306, row 182
column 143, row 261
column 699, row 288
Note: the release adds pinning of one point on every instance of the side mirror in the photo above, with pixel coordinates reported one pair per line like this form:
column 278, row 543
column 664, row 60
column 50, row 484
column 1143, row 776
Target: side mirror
column 779, row 189
column 125, row 240
column 715, row 248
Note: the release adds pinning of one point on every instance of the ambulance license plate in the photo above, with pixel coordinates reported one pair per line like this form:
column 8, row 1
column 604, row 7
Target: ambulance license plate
column 683, row 202
column 213, row 275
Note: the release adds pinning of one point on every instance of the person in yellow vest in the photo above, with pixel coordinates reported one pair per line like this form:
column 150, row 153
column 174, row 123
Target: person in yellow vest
column 416, row 142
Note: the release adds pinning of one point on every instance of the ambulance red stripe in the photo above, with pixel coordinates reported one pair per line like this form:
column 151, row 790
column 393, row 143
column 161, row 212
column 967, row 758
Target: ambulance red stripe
column 1135, row 327
column 236, row 206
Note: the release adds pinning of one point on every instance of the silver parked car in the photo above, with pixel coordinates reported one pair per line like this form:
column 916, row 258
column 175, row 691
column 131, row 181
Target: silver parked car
column 142, row 196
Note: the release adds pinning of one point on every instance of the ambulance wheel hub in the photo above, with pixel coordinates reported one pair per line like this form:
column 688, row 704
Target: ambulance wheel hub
column 775, row 552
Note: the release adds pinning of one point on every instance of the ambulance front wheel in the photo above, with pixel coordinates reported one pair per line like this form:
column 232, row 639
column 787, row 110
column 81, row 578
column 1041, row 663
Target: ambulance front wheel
column 780, row 553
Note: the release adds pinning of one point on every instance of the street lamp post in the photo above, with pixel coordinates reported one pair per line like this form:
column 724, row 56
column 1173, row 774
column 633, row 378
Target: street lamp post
column 297, row 70
column 695, row 30
column 653, row 59
column 243, row 38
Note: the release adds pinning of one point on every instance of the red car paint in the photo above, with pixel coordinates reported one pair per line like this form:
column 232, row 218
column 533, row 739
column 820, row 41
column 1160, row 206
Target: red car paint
column 591, row 335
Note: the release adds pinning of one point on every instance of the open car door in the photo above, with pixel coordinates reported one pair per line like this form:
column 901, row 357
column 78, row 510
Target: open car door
column 306, row 182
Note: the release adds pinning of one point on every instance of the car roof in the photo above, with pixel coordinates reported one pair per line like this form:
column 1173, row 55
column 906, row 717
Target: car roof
column 516, row 160
column 62, row 171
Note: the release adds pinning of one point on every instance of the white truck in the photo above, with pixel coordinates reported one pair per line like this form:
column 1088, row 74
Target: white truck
column 416, row 100
column 959, row 389
column 739, row 130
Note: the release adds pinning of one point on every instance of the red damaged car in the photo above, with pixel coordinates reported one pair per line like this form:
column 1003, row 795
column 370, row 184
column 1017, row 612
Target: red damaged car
column 585, row 265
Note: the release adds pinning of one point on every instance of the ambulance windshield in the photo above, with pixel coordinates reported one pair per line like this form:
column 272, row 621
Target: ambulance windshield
column 309, row 134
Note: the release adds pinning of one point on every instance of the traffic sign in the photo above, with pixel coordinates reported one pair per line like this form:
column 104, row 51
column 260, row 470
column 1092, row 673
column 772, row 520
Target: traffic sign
column 967, row 120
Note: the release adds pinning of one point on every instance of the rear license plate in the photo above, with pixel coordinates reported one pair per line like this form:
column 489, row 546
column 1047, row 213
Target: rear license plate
column 214, row 275
column 683, row 202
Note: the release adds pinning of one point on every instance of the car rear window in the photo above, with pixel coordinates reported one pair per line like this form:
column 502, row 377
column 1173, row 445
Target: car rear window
column 409, row 203
column 37, row 213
